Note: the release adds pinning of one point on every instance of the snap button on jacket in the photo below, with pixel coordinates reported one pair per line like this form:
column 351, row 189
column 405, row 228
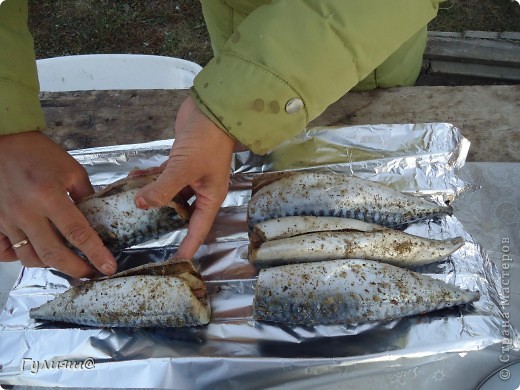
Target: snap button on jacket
column 313, row 51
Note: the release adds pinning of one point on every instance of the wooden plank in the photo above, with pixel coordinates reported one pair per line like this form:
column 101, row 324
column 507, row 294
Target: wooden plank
column 481, row 51
column 85, row 119
column 471, row 34
column 473, row 70
column 487, row 115
column 474, row 53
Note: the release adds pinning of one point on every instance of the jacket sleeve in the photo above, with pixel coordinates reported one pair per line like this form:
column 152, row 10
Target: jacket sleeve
column 287, row 61
column 20, row 108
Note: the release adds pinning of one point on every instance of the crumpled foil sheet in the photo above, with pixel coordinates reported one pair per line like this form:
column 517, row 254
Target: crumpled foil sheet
column 234, row 350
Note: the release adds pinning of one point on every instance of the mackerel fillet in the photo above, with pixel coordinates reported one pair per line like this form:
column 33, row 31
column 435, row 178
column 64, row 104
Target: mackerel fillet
column 349, row 291
column 120, row 224
column 168, row 294
column 337, row 195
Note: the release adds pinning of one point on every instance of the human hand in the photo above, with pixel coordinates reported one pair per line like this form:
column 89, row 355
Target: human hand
column 38, row 183
column 199, row 161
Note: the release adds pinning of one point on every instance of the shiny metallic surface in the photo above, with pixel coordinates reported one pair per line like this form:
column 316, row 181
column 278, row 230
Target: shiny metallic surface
column 235, row 351
column 20, row 244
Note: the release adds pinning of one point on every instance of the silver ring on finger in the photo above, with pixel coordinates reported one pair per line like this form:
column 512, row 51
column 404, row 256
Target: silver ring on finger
column 20, row 244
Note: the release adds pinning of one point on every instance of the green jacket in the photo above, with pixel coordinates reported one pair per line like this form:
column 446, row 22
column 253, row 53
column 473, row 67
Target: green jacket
column 278, row 64
column 19, row 102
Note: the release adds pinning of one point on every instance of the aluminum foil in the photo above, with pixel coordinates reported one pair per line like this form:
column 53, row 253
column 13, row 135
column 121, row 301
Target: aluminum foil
column 234, row 350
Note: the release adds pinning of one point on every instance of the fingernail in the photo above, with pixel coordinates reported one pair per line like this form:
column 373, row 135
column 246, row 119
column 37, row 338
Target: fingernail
column 108, row 269
column 141, row 203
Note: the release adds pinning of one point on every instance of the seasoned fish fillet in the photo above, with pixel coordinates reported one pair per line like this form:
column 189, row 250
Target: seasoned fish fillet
column 120, row 224
column 330, row 194
column 315, row 242
column 168, row 294
column 278, row 228
column 348, row 292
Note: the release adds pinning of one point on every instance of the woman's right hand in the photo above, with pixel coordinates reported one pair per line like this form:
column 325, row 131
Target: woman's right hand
column 39, row 183
column 199, row 164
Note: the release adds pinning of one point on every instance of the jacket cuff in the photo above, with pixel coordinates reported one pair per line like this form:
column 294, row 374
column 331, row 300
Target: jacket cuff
column 279, row 105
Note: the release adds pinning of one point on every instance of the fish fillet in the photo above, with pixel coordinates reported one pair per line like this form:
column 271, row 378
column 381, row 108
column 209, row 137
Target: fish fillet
column 348, row 292
column 169, row 294
column 331, row 194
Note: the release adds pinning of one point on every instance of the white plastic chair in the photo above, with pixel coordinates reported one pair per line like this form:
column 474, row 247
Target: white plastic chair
column 115, row 71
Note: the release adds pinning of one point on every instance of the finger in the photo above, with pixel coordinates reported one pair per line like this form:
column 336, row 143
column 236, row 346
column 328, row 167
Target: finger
column 7, row 253
column 198, row 228
column 160, row 192
column 75, row 228
column 50, row 248
column 25, row 253
column 29, row 258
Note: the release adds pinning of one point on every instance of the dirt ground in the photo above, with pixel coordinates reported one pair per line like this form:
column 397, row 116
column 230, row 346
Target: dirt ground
column 176, row 28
